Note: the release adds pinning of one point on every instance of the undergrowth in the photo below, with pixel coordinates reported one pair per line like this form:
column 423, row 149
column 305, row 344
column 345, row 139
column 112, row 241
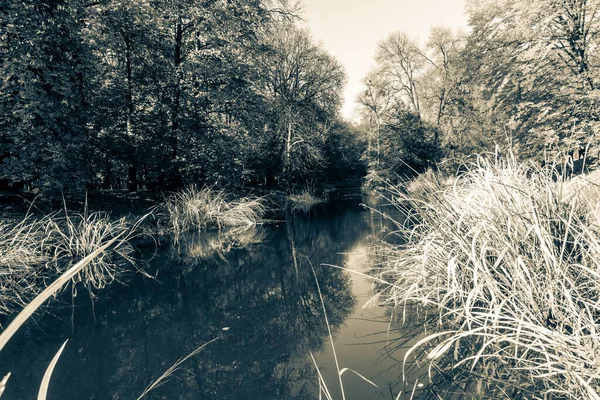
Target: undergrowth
column 508, row 256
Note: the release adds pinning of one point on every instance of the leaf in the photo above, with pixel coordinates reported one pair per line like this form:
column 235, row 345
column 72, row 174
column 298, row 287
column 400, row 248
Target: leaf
column 3, row 383
column 46, row 379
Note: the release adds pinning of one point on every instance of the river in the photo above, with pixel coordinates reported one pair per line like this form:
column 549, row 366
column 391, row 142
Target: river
column 255, row 292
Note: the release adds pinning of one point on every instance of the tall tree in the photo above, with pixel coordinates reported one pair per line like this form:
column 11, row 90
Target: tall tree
column 402, row 62
column 376, row 101
column 535, row 61
column 304, row 90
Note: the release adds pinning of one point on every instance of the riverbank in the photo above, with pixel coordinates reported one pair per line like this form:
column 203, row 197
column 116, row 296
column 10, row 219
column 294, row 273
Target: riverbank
column 506, row 258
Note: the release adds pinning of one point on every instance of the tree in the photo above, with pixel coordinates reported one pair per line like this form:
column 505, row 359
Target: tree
column 303, row 90
column 402, row 63
column 534, row 61
column 408, row 144
column 376, row 101
column 43, row 97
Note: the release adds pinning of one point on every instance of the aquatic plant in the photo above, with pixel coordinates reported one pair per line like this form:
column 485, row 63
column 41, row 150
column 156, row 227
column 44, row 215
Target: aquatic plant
column 74, row 236
column 304, row 201
column 196, row 209
column 21, row 256
column 37, row 302
column 508, row 256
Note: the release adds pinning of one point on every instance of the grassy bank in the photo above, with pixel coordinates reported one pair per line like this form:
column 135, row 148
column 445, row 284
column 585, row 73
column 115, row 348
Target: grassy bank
column 508, row 258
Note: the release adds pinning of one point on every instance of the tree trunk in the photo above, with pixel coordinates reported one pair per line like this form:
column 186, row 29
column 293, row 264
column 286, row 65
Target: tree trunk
column 175, row 111
column 132, row 182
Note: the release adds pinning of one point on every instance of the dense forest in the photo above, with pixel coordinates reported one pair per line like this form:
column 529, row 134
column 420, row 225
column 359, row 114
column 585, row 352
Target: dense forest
column 157, row 94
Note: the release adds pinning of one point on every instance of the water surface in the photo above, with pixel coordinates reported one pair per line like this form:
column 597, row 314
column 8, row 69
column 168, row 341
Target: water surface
column 254, row 291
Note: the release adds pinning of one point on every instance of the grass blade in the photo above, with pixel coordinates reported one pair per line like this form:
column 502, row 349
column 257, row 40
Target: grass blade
column 3, row 383
column 49, row 291
column 173, row 368
column 46, row 379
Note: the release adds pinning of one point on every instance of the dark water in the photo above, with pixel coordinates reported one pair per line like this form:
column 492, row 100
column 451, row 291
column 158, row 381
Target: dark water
column 252, row 290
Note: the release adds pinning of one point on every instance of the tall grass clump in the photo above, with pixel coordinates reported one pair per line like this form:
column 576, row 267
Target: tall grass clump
column 508, row 257
column 304, row 200
column 196, row 209
column 20, row 258
column 75, row 236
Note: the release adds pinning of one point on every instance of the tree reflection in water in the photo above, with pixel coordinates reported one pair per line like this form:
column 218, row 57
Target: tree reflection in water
column 259, row 286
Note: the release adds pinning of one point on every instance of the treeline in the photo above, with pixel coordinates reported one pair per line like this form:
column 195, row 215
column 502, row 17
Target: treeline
column 155, row 94
column 525, row 79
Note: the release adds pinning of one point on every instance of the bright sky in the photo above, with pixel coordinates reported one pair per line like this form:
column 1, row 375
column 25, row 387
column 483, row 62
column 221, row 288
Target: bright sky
column 350, row 30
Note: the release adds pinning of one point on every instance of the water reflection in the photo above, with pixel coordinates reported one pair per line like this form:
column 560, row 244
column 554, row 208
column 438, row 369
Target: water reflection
column 257, row 284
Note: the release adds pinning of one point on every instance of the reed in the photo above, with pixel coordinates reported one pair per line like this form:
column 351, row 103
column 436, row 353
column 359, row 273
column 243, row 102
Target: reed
column 508, row 256
column 196, row 209
column 37, row 302
column 74, row 236
column 304, row 200
column 21, row 256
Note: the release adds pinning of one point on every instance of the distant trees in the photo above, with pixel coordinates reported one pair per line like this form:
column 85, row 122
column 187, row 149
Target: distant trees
column 525, row 79
column 404, row 104
column 157, row 93
column 303, row 90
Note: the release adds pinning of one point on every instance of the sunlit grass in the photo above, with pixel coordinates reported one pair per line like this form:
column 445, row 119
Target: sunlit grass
column 74, row 236
column 32, row 306
column 509, row 256
column 20, row 257
column 304, row 200
column 196, row 209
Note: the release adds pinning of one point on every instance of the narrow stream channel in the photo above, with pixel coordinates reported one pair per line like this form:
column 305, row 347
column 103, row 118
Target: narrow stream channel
column 254, row 291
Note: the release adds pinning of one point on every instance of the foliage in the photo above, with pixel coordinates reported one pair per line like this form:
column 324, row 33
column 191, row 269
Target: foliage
column 344, row 152
column 538, row 74
column 507, row 256
column 43, row 118
column 156, row 94
column 303, row 87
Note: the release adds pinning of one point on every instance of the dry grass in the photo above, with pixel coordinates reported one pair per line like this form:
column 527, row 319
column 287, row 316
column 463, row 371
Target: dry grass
column 37, row 302
column 508, row 255
column 304, row 201
column 196, row 209
column 34, row 250
column 74, row 236
column 21, row 256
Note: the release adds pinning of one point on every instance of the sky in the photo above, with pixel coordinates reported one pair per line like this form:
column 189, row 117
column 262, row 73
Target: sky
column 350, row 29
